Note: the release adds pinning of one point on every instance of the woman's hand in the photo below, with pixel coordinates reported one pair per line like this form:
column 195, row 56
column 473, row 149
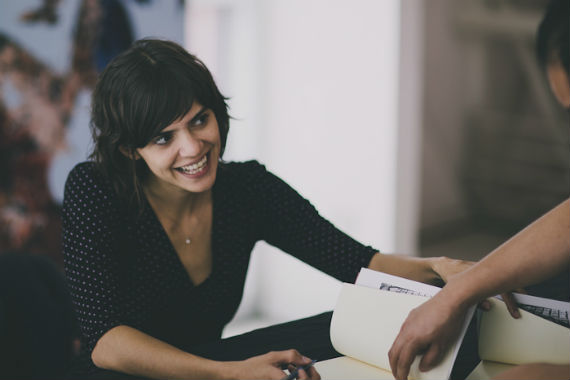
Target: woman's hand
column 268, row 366
column 430, row 270
column 429, row 330
column 445, row 267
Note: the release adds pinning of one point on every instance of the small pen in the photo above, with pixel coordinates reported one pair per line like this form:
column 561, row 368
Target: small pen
column 293, row 374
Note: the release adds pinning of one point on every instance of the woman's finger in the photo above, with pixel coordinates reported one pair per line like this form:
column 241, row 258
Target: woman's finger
column 511, row 304
column 313, row 374
column 485, row 305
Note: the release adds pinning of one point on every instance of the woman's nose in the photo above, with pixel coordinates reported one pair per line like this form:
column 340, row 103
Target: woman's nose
column 189, row 145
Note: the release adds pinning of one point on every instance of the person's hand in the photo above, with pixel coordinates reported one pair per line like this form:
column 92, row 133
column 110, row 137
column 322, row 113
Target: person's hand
column 510, row 302
column 268, row 366
column 429, row 330
column 445, row 267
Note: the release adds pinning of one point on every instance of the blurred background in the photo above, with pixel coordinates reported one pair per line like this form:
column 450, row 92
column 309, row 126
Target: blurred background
column 421, row 127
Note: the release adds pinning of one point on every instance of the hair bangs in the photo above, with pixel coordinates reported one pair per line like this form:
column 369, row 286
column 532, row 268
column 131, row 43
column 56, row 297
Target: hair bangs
column 161, row 101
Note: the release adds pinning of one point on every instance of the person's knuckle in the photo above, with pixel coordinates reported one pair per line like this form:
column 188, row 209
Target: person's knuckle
column 291, row 354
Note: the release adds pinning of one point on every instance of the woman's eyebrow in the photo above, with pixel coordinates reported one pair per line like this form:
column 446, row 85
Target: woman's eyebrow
column 197, row 116
column 163, row 133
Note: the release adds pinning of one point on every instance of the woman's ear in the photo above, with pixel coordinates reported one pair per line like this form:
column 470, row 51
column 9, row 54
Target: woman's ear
column 559, row 83
column 129, row 153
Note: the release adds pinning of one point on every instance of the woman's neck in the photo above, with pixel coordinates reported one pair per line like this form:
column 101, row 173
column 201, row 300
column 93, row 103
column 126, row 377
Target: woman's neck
column 175, row 204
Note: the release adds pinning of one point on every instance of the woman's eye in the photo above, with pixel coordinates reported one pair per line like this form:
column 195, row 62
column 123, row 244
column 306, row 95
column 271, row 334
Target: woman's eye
column 161, row 140
column 202, row 120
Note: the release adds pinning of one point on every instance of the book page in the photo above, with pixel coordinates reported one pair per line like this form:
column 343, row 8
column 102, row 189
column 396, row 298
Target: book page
column 348, row 368
column 383, row 281
column 379, row 280
column 519, row 341
column 552, row 310
column 366, row 321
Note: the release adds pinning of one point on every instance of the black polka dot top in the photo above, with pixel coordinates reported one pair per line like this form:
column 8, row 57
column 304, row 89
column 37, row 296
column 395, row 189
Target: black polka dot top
column 125, row 271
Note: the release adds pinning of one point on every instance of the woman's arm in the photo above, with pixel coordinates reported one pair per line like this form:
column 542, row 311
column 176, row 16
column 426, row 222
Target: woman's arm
column 431, row 270
column 289, row 222
column 539, row 251
column 125, row 349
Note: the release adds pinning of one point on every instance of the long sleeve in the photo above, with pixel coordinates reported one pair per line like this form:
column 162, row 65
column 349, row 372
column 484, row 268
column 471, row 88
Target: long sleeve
column 291, row 223
column 91, row 232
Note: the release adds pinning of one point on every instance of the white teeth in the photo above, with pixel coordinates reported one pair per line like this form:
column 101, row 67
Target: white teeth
column 195, row 168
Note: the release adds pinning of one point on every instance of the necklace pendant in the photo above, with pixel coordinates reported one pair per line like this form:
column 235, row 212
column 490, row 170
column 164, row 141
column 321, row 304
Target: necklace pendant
column 188, row 241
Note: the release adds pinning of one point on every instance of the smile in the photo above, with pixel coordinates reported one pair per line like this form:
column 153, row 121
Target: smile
column 194, row 168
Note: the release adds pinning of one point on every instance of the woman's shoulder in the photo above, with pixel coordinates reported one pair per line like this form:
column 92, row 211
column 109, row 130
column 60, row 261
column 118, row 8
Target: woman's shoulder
column 240, row 168
column 86, row 175
column 85, row 169
column 251, row 177
column 250, row 173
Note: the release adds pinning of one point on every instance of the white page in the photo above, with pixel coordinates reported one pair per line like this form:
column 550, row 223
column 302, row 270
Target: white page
column 519, row 341
column 366, row 321
column 375, row 279
column 526, row 299
column 345, row 367
column 554, row 310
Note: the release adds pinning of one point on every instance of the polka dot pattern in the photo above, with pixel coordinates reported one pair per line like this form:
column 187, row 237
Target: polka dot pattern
column 123, row 270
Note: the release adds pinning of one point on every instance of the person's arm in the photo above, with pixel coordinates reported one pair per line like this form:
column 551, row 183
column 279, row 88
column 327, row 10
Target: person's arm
column 431, row 270
column 128, row 350
column 291, row 223
column 125, row 349
column 539, row 251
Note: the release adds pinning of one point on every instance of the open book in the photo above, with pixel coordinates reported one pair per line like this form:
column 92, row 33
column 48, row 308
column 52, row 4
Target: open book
column 366, row 320
column 542, row 334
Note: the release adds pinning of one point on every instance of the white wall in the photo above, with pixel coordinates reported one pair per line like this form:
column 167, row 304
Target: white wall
column 442, row 202
column 315, row 83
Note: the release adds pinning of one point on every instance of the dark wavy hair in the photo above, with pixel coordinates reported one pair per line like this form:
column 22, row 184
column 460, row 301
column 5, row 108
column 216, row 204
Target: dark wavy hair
column 553, row 35
column 140, row 92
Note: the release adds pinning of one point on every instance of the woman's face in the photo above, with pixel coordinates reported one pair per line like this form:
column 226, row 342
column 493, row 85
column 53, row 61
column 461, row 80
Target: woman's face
column 184, row 155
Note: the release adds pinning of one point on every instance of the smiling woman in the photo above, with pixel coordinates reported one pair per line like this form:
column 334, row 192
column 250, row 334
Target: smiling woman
column 158, row 233
column 131, row 117
column 185, row 154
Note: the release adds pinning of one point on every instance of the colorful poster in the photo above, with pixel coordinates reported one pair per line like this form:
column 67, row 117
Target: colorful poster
column 51, row 52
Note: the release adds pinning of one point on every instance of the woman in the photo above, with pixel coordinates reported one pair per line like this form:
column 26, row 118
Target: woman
column 158, row 230
column 540, row 251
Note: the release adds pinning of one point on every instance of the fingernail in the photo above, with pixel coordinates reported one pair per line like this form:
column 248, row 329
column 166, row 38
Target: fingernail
column 306, row 359
column 517, row 314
